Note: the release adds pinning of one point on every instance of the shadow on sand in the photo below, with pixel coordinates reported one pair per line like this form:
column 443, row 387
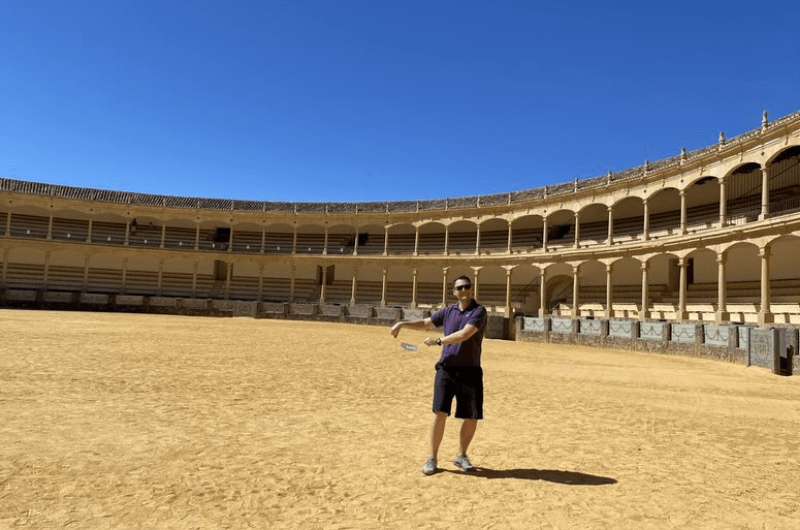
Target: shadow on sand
column 574, row 478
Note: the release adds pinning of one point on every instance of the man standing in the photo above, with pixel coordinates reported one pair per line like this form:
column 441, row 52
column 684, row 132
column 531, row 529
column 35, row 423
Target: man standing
column 458, row 372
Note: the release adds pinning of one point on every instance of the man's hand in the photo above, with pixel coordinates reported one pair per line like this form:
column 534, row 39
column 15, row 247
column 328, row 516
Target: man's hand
column 429, row 341
column 396, row 329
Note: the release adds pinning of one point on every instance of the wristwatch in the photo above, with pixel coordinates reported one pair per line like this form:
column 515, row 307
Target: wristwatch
column 439, row 341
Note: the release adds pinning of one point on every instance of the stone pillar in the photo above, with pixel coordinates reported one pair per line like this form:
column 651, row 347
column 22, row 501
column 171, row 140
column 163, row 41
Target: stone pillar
column 160, row 283
column 163, row 236
column 508, row 292
column 446, row 240
column 723, row 198
column 510, row 237
column 260, row 283
column 197, row 236
column 444, row 286
column 764, row 194
column 722, row 313
column 384, row 276
column 230, row 239
column 8, row 224
column 85, row 286
column 475, row 283
column 291, row 283
column 127, row 232
column 683, row 211
column 575, row 289
column 609, row 292
column 610, row 238
column 542, row 288
column 124, row 275
column 416, row 241
column 294, row 238
column 46, row 269
column 682, row 290
column 89, row 232
column 50, row 227
column 478, row 240
column 263, row 238
column 194, row 280
column 643, row 311
column 353, row 288
column 355, row 244
column 325, row 241
column 414, row 288
column 764, row 313
column 228, row 280
column 577, row 230
column 5, row 265
column 386, row 240
column 322, row 286
column 646, row 228
column 544, row 234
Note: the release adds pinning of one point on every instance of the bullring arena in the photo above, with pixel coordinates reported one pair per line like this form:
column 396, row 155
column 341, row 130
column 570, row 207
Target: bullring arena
column 125, row 405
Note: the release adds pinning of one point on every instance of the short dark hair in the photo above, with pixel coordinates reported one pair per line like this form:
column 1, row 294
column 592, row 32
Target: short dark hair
column 462, row 277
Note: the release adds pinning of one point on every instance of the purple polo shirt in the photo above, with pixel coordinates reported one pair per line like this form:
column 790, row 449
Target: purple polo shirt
column 467, row 353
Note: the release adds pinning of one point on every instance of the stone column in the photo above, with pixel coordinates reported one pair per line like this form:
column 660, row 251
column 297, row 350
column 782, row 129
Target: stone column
column 50, row 227
column 355, row 244
column 416, row 241
column 353, row 288
column 683, row 211
column 764, row 313
column 414, row 288
column 764, row 194
column 322, row 286
column 475, row 282
column 386, row 240
column 8, row 224
column 160, row 283
column 542, row 288
column 197, row 235
column 325, row 241
column 643, row 311
column 610, row 238
column 260, row 283
column 384, row 276
column 5, row 265
column 230, row 239
column 510, row 237
column 85, row 286
column 722, row 304
column 194, row 280
column 294, row 238
column 228, row 280
column 575, row 289
column 508, row 292
column 163, row 236
column 577, row 230
column 89, row 232
column 444, row 286
column 478, row 240
column 646, row 228
column 682, row 290
column 609, row 292
column 46, row 269
column 446, row 240
column 544, row 234
column 263, row 238
column 124, row 275
column 127, row 232
column 723, row 214
column 291, row 283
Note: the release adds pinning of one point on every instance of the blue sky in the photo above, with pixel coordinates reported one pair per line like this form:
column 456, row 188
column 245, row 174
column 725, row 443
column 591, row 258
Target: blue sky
column 361, row 100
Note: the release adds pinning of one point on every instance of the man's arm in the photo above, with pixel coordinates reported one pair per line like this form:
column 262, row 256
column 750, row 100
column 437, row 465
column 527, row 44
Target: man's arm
column 455, row 338
column 424, row 323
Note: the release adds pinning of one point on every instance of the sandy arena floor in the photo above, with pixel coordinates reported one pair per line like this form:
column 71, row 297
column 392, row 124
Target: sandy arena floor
column 141, row 421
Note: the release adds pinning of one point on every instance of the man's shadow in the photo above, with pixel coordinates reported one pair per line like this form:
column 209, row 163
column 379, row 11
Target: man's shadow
column 574, row 478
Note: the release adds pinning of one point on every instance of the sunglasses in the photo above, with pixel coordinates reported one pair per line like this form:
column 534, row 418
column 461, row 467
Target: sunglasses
column 463, row 287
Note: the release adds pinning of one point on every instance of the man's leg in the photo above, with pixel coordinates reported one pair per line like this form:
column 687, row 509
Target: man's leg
column 437, row 432
column 467, row 432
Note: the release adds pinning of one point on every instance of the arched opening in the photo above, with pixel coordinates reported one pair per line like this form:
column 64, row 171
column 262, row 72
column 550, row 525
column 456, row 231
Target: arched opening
column 65, row 271
column 663, row 285
column 247, row 237
column 429, row 286
column 401, row 239
column 214, row 236
column 462, row 237
column 278, row 238
column 105, row 273
column 145, row 231
column 524, row 288
column 494, row 236
column 29, row 222
column 664, row 210
column 179, row 234
column 399, row 285
column 371, row 240
column 558, row 290
column 25, row 268
column 561, row 229
column 784, row 279
column 176, row 277
column 70, row 225
column 628, row 220
column 339, row 281
column 626, row 288
column 702, row 204
column 244, row 280
column 307, row 282
column 341, row 240
column 431, row 238
column 108, row 229
column 593, row 228
column 784, row 182
column 743, row 282
column 701, row 284
column 591, row 289
column 743, row 194
column 310, row 239
column 142, row 275
column 277, row 282
column 526, row 234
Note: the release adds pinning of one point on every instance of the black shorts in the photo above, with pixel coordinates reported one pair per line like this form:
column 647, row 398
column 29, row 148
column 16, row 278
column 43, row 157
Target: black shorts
column 465, row 384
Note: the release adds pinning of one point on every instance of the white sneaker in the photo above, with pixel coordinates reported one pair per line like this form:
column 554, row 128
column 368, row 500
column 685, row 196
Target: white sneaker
column 463, row 463
column 430, row 467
